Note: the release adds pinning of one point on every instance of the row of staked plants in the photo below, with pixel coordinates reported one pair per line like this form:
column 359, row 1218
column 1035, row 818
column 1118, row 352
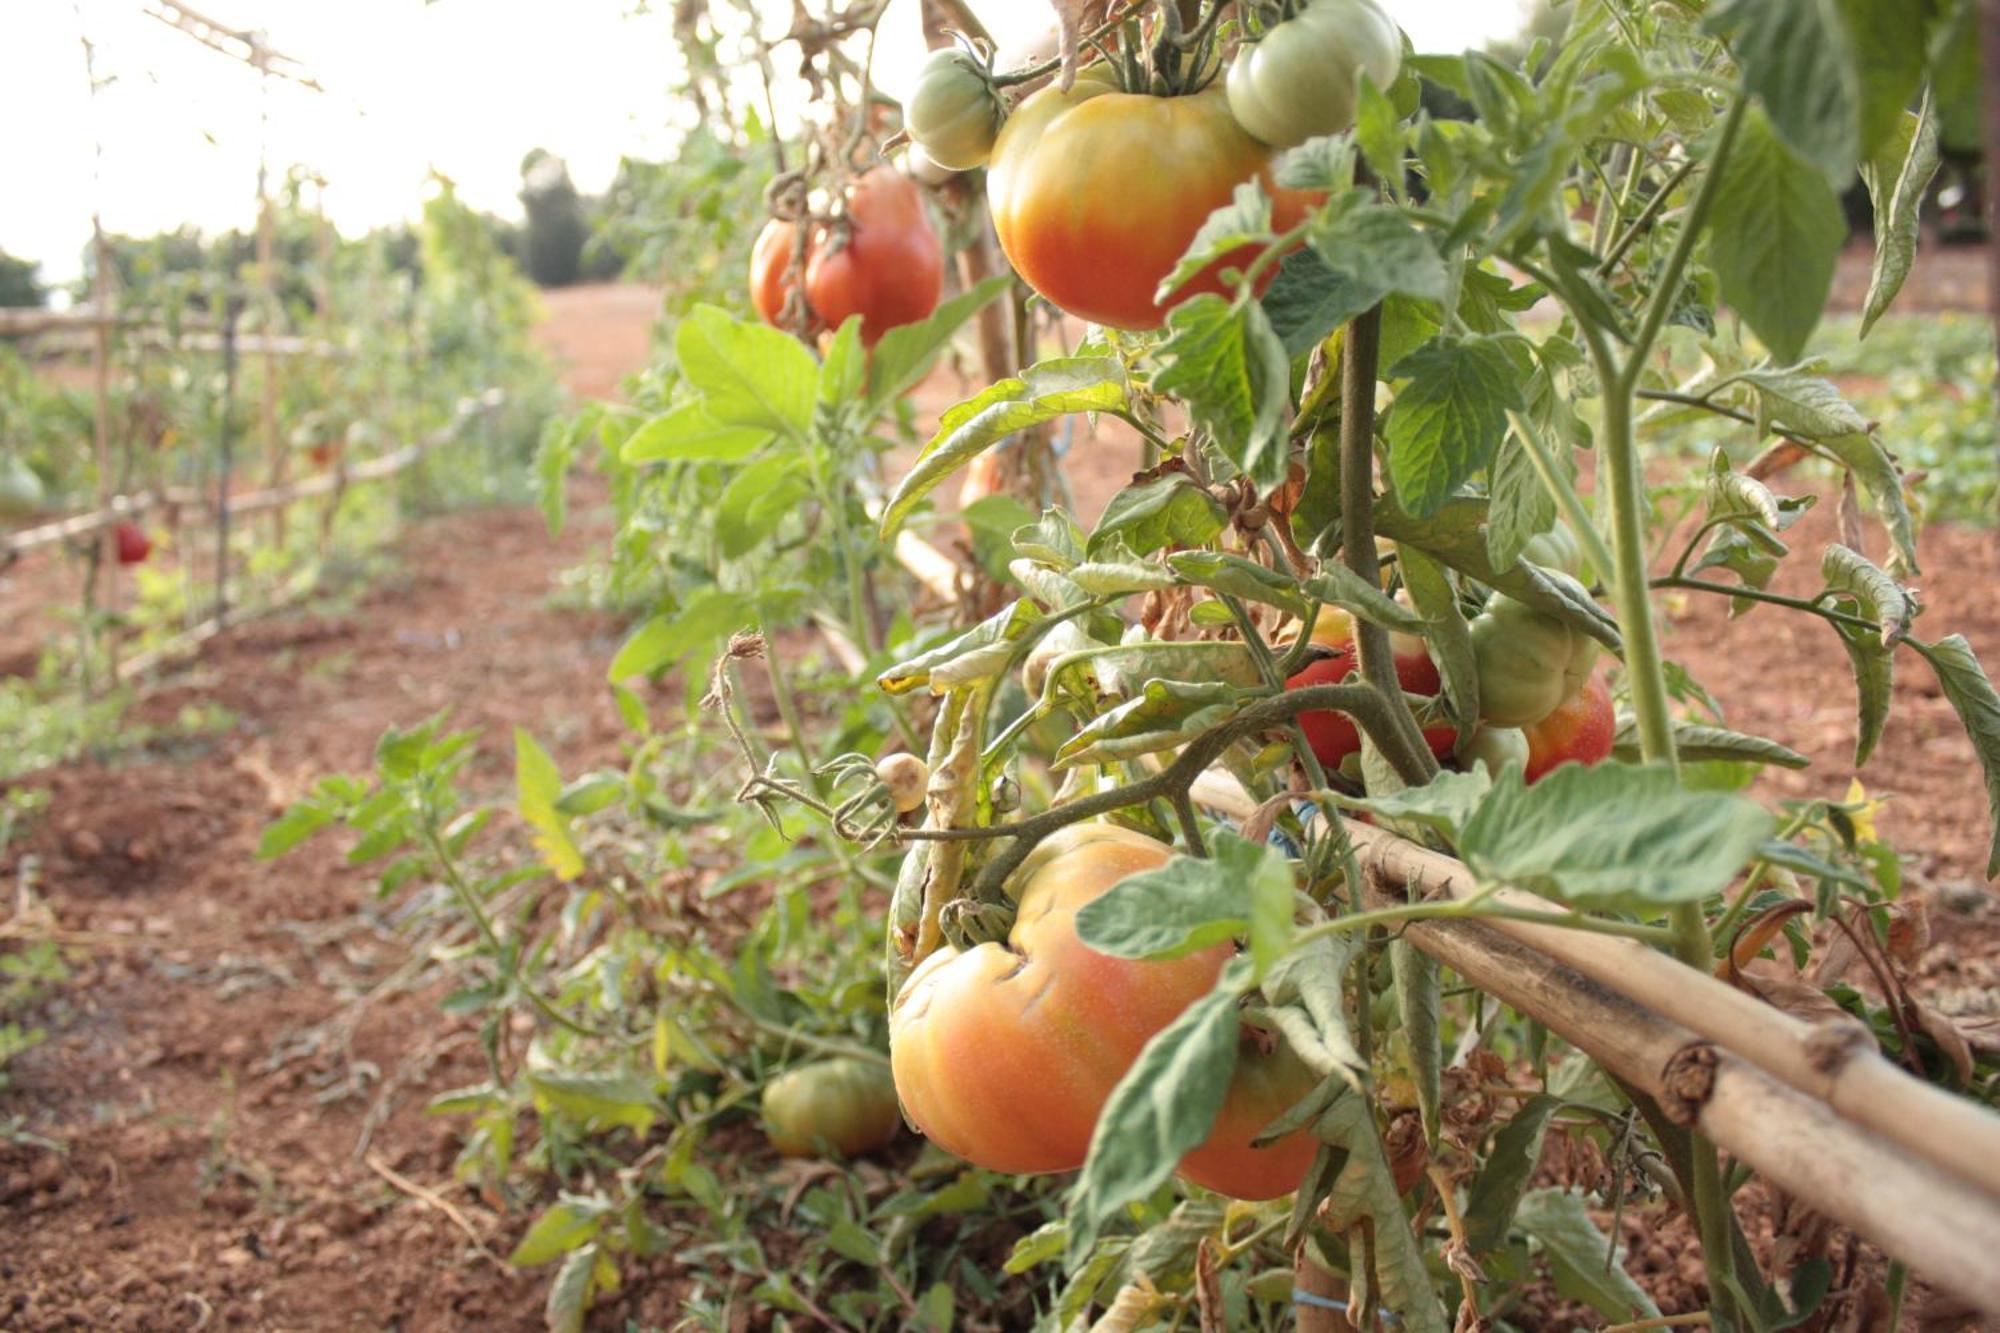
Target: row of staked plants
column 1376, row 364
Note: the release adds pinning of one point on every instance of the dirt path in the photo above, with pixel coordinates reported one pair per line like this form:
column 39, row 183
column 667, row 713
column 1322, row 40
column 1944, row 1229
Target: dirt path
column 216, row 1063
column 214, row 1066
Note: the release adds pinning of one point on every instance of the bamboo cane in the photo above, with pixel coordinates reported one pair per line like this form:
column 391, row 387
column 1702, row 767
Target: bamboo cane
column 1831, row 1062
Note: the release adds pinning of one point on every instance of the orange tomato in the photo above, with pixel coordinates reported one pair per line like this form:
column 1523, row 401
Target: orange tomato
column 1096, row 194
column 1581, row 731
column 1006, row 1054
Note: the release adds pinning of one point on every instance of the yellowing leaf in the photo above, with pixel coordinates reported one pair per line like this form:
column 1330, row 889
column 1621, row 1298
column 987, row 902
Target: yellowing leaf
column 538, row 785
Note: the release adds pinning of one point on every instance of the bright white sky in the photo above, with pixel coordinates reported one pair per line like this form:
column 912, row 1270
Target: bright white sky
column 467, row 86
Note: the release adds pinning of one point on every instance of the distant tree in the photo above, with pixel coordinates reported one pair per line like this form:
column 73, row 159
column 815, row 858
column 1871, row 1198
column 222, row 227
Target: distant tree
column 557, row 225
column 20, row 282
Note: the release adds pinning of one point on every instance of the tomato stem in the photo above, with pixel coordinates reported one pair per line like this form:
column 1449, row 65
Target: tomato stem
column 1360, row 364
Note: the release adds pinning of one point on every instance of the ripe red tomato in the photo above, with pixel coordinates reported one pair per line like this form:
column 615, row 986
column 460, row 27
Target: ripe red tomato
column 889, row 272
column 1580, row 730
column 1096, row 194
column 133, row 544
column 1333, row 736
column 1005, row 1055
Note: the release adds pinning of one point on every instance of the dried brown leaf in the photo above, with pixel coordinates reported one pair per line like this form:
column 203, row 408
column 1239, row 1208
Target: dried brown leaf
column 1076, row 18
column 1948, row 1038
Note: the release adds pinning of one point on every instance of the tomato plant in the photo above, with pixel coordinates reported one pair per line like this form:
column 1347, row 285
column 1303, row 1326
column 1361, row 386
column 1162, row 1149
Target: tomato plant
column 1140, row 915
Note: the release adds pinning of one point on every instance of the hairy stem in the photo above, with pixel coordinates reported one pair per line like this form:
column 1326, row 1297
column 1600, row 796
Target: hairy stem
column 1403, row 745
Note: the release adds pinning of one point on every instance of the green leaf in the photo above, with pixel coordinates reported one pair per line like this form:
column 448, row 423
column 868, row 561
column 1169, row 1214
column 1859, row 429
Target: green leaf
column 1898, row 175
column 1337, row 585
column 1121, row 671
column 1054, row 539
column 1165, row 715
column 1243, row 222
column 563, row 1227
column 1377, row 246
column 1167, row 511
column 1888, row 37
column 1309, row 299
column 748, row 374
column 1582, row 1258
column 1878, row 596
column 1496, row 1190
column 906, row 353
column 1448, row 634
column 1188, row 905
column 665, row 640
column 1875, row 687
column 570, row 1295
column 1456, row 534
column 1238, row 577
column 538, row 786
column 1378, row 132
column 1797, row 57
column 1310, row 979
column 1445, row 804
column 757, row 500
column 845, row 369
column 1697, row 744
column 1613, row 837
column 980, row 653
column 688, row 434
column 1160, row 1111
column 1227, row 364
column 1970, row 690
column 293, row 827
column 1043, row 392
column 1449, row 418
column 1775, row 233
column 604, row 1100
column 1417, row 1005
column 1366, row 1188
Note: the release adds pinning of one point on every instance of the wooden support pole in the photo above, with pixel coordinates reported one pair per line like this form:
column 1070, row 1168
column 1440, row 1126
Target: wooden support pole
column 1833, row 1063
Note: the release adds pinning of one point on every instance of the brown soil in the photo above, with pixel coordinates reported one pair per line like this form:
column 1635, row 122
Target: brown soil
column 240, row 1109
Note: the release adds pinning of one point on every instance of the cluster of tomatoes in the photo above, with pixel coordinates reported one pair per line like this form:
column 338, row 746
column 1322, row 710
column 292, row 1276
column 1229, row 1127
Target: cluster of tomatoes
column 1542, row 704
column 1095, row 192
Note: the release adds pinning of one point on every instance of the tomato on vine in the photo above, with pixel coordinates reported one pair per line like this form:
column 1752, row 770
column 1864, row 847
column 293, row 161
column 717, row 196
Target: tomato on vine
column 1302, row 78
column 1006, row 1054
column 1097, row 193
column 844, row 1105
column 132, row 542
column 1333, row 736
column 955, row 114
column 21, row 492
column 885, row 265
column 1581, row 730
column 1529, row 662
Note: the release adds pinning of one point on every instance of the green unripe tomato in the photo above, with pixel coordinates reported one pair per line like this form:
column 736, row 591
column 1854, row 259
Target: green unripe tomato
column 21, row 492
column 1302, row 79
column 843, row 1106
column 954, row 114
column 1494, row 748
column 1524, row 660
column 1557, row 548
